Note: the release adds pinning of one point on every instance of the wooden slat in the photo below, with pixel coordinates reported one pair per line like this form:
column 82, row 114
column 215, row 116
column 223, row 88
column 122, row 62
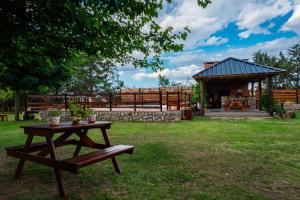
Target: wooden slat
column 96, row 156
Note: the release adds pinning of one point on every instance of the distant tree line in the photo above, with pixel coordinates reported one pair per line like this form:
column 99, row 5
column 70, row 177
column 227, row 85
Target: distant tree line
column 289, row 62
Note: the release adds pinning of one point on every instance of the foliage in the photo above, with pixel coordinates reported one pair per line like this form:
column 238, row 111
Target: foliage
column 163, row 81
column 265, row 103
column 54, row 113
column 38, row 38
column 91, row 75
column 75, row 109
column 196, row 98
column 294, row 53
column 282, row 62
column 5, row 94
column 290, row 63
column 78, row 111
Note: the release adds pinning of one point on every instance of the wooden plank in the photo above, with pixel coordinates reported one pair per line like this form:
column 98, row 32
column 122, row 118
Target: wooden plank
column 42, row 160
column 100, row 155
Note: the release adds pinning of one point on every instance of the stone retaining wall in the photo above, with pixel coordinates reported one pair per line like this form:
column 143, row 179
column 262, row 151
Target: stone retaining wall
column 168, row 116
column 291, row 107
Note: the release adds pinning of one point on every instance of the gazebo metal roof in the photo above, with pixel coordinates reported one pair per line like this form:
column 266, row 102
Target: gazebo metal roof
column 236, row 67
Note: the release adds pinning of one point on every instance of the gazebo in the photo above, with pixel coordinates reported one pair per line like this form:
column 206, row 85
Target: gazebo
column 225, row 84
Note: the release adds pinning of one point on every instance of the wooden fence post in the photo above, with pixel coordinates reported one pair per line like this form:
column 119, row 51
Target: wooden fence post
column 178, row 100
column 185, row 100
column 160, row 101
column 167, row 100
column 110, row 101
column 134, row 101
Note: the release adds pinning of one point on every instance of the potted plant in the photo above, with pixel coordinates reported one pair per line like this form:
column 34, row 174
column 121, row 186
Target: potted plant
column 76, row 112
column 91, row 115
column 54, row 117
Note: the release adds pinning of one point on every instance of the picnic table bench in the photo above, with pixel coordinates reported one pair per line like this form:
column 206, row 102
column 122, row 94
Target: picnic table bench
column 73, row 164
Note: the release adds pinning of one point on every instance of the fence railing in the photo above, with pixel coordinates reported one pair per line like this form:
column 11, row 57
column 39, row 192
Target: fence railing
column 149, row 100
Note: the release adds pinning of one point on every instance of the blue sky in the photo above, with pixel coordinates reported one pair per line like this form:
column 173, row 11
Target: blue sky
column 226, row 28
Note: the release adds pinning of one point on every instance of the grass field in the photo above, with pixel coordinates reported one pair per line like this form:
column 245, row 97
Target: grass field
column 200, row 159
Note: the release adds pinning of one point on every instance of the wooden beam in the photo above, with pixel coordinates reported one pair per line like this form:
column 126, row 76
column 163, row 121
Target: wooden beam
column 270, row 81
column 201, row 97
column 252, row 88
column 260, row 94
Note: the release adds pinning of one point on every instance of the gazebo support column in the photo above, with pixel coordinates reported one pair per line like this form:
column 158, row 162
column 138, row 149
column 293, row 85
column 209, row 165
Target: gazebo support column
column 201, row 97
column 252, row 88
column 260, row 95
column 270, row 81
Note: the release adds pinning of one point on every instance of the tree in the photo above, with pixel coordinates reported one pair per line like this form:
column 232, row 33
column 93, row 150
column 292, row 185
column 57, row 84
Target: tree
column 294, row 53
column 282, row 62
column 163, row 81
column 90, row 75
column 38, row 37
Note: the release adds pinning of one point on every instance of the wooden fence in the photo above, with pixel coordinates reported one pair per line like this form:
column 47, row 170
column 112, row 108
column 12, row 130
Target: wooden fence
column 284, row 95
column 150, row 100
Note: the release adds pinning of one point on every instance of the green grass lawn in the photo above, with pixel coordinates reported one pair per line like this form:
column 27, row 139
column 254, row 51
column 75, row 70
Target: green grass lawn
column 200, row 159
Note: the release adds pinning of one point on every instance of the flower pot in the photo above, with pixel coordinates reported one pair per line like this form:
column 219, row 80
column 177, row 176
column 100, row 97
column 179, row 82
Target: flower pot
column 54, row 121
column 76, row 119
column 92, row 118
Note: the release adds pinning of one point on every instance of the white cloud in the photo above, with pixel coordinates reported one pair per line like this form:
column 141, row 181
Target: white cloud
column 202, row 22
column 272, row 47
column 293, row 23
column 245, row 34
column 215, row 41
column 254, row 14
column 185, row 72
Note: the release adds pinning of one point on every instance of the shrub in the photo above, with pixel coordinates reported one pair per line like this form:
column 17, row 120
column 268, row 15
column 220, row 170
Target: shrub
column 276, row 105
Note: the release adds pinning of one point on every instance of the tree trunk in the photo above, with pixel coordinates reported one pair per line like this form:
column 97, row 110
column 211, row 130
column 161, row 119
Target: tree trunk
column 17, row 105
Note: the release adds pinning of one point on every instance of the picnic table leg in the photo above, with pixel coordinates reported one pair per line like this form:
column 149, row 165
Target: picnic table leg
column 107, row 142
column 22, row 162
column 56, row 171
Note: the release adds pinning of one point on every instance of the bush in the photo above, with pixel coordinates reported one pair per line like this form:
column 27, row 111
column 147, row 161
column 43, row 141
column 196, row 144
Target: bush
column 276, row 105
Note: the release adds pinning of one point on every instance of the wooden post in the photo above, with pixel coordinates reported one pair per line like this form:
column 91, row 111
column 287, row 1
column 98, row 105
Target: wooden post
column 270, row 81
column 297, row 95
column 260, row 96
column 201, row 97
column 142, row 100
column 167, row 100
column 185, row 100
column 252, row 88
column 160, row 101
column 178, row 100
column 110, row 101
column 134, row 101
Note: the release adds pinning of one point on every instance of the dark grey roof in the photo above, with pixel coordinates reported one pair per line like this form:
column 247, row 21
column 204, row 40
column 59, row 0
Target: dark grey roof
column 234, row 66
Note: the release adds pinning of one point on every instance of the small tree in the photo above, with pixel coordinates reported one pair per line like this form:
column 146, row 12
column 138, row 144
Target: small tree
column 91, row 75
column 196, row 98
column 294, row 53
column 163, row 81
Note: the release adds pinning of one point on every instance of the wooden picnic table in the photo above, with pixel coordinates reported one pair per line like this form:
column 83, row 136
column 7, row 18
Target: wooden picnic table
column 235, row 104
column 73, row 164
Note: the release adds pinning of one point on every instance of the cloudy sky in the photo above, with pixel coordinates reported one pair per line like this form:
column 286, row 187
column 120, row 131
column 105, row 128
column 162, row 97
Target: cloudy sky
column 226, row 28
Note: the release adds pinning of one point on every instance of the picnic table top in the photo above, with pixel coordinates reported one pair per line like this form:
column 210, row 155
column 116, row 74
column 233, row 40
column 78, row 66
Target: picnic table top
column 68, row 126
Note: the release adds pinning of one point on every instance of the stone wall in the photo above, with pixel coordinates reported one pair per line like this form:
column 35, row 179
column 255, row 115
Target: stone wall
column 168, row 116
column 291, row 106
